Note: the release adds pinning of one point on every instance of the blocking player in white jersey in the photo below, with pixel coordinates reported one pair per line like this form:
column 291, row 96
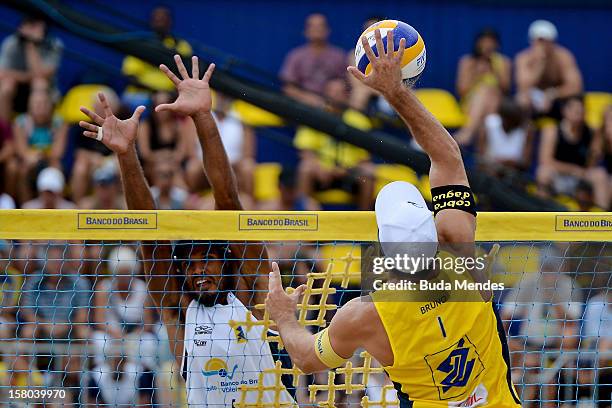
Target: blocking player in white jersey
column 199, row 288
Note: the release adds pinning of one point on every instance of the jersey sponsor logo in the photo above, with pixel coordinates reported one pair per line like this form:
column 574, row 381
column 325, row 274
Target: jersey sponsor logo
column 216, row 366
column 455, row 368
column 476, row 399
column 240, row 336
column 203, row 329
column 199, row 343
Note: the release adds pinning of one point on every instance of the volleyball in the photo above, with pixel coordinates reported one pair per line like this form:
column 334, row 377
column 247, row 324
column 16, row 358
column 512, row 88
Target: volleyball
column 413, row 62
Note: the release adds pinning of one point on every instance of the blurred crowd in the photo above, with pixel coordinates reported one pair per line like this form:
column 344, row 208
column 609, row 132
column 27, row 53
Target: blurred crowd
column 525, row 122
column 78, row 316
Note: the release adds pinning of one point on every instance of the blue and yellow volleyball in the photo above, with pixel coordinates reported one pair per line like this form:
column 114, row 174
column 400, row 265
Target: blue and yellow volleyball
column 413, row 62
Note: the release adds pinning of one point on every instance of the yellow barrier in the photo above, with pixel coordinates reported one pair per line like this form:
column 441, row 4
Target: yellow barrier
column 275, row 226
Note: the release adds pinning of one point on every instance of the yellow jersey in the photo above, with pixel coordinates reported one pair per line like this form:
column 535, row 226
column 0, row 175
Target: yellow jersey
column 447, row 353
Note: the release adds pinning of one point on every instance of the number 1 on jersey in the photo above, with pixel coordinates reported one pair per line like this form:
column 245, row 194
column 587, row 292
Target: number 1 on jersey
column 441, row 327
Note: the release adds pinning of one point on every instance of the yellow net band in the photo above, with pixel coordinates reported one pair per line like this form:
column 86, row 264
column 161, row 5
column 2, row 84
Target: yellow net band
column 325, row 351
column 277, row 226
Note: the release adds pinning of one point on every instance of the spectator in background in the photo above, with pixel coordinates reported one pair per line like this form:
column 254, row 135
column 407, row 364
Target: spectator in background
column 240, row 146
column 327, row 163
column 146, row 77
column 597, row 336
column 568, row 154
column 308, row 68
column 508, row 139
column 545, row 306
column 29, row 60
column 545, row 72
column 123, row 310
column 50, row 184
column 11, row 281
column 89, row 153
column 239, row 143
column 8, row 167
column 603, row 151
column 118, row 381
column 289, row 198
column 161, row 138
column 10, row 289
column 483, row 77
column 40, row 140
column 6, row 200
column 54, row 310
column 107, row 191
column 167, row 196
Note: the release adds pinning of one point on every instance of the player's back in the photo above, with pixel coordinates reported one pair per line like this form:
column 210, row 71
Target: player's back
column 447, row 353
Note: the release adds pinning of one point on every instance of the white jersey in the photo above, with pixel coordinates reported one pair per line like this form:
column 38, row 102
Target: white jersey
column 219, row 359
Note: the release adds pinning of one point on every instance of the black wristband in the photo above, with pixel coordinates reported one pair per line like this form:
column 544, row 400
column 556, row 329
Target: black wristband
column 456, row 197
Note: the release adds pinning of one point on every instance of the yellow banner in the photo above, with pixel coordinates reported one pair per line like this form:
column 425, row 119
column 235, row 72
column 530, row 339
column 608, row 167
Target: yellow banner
column 119, row 220
column 584, row 223
column 278, row 222
column 280, row 226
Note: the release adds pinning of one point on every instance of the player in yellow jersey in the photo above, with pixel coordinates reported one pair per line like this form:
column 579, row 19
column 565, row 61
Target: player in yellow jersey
column 450, row 355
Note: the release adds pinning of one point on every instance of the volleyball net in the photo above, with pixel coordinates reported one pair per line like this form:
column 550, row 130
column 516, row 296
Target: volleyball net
column 78, row 326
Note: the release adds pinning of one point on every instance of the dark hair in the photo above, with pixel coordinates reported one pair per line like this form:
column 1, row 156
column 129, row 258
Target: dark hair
column 511, row 113
column 485, row 32
column 34, row 17
column 182, row 250
column 571, row 98
column 288, row 177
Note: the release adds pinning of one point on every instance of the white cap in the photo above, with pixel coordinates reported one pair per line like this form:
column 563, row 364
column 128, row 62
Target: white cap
column 50, row 179
column 403, row 217
column 121, row 258
column 542, row 29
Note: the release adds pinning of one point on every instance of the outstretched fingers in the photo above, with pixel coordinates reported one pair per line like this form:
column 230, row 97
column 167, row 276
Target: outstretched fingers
column 379, row 43
column 390, row 47
column 208, row 73
column 93, row 135
column 181, row 67
column 356, row 73
column 367, row 49
column 93, row 116
column 164, row 106
column 107, row 110
column 401, row 49
column 138, row 112
column 195, row 67
column 175, row 80
column 88, row 126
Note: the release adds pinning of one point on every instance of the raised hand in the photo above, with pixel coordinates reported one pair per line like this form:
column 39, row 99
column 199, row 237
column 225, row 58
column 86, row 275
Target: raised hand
column 193, row 92
column 279, row 304
column 386, row 74
column 116, row 134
